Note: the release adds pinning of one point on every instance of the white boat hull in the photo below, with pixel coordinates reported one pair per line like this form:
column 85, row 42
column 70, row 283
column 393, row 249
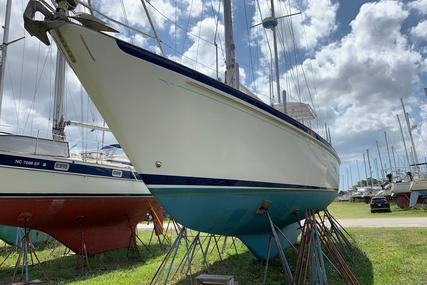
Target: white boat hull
column 400, row 187
column 84, row 200
column 209, row 153
column 163, row 117
column 20, row 180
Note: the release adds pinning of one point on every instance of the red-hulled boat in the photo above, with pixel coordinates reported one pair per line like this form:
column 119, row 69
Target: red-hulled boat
column 81, row 203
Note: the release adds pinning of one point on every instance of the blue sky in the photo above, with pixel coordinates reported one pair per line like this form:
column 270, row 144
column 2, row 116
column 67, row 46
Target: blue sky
column 352, row 60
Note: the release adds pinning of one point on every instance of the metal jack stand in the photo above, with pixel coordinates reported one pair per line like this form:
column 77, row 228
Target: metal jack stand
column 161, row 231
column 83, row 249
column 171, row 223
column 319, row 242
column 190, row 254
column 233, row 242
column 26, row 253
column 263, row 210
column 216, row 246
column 310, row 255
column 166, row 273
column 133, row 241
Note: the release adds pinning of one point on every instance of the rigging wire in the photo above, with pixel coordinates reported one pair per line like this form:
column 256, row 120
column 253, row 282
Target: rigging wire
column 198, row 41
column 36, row 87
column 178, row 26
column 115, row 21
column 186, row 57
column 250, row 47
column 217, row 35
column 51, row 92
column 306, row 80
column 188, row 23
column 125, row 15
column 268, row 45
column 299, row 62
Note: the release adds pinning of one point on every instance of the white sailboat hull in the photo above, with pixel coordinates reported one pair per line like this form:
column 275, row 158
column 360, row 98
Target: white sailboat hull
column 401, row 187
column 209, row 153
column 187, row 126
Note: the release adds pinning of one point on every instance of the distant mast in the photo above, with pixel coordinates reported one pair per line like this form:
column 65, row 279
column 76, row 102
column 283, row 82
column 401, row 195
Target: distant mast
column 3, row 49
column 404, row 142
column 232, row 67
column 58, row 124
column 58, row 127
column 410, row 131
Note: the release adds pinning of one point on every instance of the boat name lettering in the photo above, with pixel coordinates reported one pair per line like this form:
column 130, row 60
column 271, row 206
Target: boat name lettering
column 27, row 162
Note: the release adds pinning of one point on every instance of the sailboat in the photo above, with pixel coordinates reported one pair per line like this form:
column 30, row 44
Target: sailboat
column 90, row 204
column 409, row 187
column 13, row 236
column 213, row 156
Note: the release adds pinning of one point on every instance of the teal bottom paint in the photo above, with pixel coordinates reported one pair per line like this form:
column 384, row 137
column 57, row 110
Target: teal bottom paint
column 232, row 212
column 258, row 243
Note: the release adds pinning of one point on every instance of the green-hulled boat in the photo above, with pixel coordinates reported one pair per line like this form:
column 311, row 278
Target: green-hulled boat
column 14, row 235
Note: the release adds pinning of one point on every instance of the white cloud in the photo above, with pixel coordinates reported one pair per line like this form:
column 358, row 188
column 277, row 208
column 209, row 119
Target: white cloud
column 193, row 7
column 418, row 5
column 360, row 78
column 420, row 31
column 317, row 25
column 201, row 54
column 308, row 29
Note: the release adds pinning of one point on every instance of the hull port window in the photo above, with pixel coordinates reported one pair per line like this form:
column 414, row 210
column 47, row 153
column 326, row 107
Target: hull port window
column 62, row 166
column 117, row 173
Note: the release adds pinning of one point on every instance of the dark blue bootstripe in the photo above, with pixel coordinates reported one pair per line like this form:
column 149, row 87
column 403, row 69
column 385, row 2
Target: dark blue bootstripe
column 49, row 165
column 153, row 179
column 149, row 179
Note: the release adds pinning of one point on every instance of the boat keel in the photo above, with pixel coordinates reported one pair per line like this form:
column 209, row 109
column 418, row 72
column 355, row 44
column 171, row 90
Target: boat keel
column 258, row 244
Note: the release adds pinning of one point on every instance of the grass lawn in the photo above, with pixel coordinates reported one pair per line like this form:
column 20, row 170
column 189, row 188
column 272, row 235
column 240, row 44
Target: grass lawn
column 347, row 210
column 385, row 256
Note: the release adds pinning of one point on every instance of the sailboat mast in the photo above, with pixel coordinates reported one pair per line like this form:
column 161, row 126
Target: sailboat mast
column 232, row 67
column 410, row 131
column 370, row 169
column 366, row 171
column 394, row 157
column 358, row 173
column 381, row 161
column 58, row 126
column 3, row 48
column 276, row 57
column 403, row 139
column 388, row 152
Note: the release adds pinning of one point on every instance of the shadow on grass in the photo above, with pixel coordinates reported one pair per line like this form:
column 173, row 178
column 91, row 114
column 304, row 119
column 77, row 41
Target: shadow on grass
column 61, row 269
column 246, row 269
